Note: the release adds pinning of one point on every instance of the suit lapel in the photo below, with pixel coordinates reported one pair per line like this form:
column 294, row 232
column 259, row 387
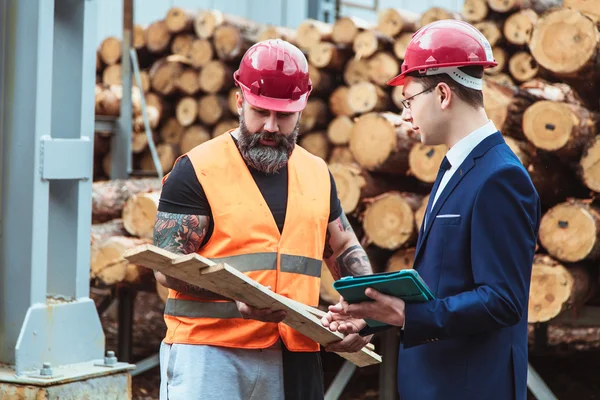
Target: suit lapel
column 462, row 171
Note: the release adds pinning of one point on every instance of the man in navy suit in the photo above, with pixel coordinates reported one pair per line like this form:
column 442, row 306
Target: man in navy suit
column 477, row 240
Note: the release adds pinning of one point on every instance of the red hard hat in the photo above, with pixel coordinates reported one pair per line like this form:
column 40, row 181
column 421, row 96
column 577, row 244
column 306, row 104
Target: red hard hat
column 273, row 75
column 443, row 46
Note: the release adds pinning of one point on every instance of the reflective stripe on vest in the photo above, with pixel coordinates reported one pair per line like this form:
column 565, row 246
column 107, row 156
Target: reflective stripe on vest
column 243, row 263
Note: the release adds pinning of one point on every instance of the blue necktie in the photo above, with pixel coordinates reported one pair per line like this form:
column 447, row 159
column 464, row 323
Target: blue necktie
column 444, row 166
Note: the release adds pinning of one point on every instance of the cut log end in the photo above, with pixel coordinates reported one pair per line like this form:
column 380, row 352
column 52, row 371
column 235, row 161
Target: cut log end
column 503, row 6
column 420, row 213
column 437, row 14
column 522, row 66
column 389, row 221
column 179, row 19
column 569, row 232
column 401, row 44
column 211, row 108
column 201, row 52
column 356, row 70
column 518, row 27
column 501, row 57
column 193, row 136
column 349, row 183
column 491, row 31
column 367, row 43
column 186, row 111
column 370, row 129
column 311, row 32
column 565, row 128
column 425, row 161
column 392, row 21
column 475, row 10
column 224, row 126
column 339, row 102
column 400, row 260
column 216, row 77
column 383, row 66
column 139, row 214
column 339, row 130
column 158, row 37
column 110, row 50
column 590, row 165
column 551, row 287
column 365, row 97
column 172, row 130
column 315, row 143
column 341, row 155
column 229, row 42
column 565, row 41
column 326, row 55
column 345, row 29
column 206, row 22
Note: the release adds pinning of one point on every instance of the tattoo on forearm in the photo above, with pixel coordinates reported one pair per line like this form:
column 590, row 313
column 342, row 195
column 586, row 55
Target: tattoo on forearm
column 182, row 234
column 179, row 233
column 345, row 224
column 354, row 261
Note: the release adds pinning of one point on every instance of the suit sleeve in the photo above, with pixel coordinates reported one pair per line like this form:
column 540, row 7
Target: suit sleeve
column 504, row 229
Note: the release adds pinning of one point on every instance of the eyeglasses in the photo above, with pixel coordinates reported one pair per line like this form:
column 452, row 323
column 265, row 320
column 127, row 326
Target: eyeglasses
column 406, row 102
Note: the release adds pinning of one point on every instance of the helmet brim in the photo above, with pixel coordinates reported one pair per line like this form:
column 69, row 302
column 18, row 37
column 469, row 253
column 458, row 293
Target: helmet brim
column 274, row 104
column 397, row 81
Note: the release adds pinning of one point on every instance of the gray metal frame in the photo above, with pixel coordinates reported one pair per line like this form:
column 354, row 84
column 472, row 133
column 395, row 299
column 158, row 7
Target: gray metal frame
column 47, row 72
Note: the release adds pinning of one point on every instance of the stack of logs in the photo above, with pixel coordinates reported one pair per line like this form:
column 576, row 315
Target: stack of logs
column 543, row 96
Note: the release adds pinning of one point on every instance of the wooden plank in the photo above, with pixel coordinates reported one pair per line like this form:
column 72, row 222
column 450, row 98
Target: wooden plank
column 229, row 282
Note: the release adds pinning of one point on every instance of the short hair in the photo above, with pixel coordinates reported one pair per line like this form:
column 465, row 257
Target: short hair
column 470, row 96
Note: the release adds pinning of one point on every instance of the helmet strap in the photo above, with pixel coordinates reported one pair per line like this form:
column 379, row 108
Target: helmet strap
column 458, row 76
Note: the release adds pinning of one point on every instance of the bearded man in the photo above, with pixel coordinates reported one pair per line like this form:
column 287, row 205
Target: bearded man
column 253, row 198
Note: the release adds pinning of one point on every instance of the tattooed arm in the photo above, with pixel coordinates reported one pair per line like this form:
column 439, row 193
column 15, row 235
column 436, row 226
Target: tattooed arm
column 182, row 234
column 343, row 253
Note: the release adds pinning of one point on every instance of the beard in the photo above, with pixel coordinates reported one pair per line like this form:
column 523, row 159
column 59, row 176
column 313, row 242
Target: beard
column 267, row 159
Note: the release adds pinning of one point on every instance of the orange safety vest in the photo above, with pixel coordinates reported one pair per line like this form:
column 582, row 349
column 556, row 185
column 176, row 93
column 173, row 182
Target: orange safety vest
column 246, row 237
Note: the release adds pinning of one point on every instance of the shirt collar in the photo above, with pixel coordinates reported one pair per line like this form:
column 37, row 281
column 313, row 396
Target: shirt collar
column 459, row 152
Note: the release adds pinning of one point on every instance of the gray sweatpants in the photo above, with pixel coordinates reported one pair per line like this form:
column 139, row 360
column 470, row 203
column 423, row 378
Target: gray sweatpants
column 194, row 372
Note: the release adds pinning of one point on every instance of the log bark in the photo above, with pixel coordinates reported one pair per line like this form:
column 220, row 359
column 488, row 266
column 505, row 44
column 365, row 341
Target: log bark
column 216, row 77
column 502, row 78
column 522, row 66
column 365, row 97
column 232, row 41
column 315, row 143
column 103, row 231
column 112, row 75
column 389, row 221
column 506, row 6
column 559, row 127
column 193, row 136
column 345, row 29
column 382, row 142
column 311, row 32
column 383, row 66
column 110, row 50
column 158, row 37
column 369, row 42
column 401, row 259
column 329, row 56
column 212, row 108
column 567, row 43
column 139, row 37
column 570, row 231
column 339, row 129
column 519, row 25
column 475, row 10
column 392, row 21
column 206, row 22
column 106, row 101
column 424, row 161
column 108, row 267
column 356, row 70
column 139, row 142
column 186, row 111
column 109, row 197
column 420, row 213
column 522, row 150
column 555, row 91
column 179, row 20
column 436, row 14
column 139, row 214
column 355, row 184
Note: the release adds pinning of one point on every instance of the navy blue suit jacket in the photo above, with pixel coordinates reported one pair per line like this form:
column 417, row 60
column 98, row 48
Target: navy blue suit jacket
column 475, row 254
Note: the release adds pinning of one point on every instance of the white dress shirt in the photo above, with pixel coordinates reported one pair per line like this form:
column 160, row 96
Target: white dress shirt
column 459, row 152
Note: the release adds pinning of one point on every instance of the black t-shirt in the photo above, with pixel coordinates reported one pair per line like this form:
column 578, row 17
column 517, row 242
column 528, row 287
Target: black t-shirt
column 182, row 193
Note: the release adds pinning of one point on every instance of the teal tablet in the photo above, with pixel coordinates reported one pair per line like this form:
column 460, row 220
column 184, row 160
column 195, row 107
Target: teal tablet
column 405, row 284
